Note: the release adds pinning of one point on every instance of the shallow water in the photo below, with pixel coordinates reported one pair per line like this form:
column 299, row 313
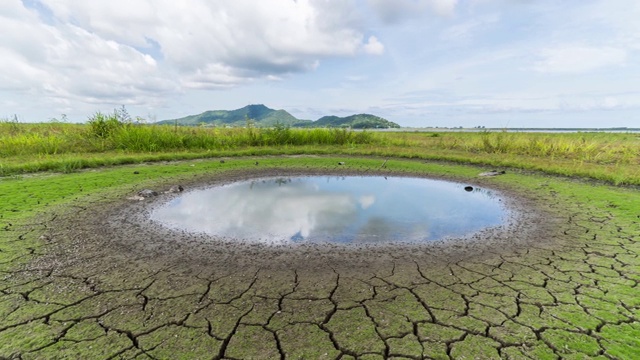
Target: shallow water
column 334, row 209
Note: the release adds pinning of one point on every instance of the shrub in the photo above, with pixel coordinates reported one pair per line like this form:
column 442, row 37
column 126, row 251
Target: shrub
column 103, row 126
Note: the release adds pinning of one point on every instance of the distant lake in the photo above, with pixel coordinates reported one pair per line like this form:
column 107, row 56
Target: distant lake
column 515, row 130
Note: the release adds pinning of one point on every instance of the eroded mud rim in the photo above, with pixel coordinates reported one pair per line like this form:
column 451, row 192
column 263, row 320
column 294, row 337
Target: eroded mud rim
column 125, row 228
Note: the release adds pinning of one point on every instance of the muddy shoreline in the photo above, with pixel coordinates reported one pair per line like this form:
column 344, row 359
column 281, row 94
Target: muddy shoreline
column 122, row 229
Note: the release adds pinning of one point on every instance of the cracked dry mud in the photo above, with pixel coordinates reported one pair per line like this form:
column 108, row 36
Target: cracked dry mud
column 109, row 285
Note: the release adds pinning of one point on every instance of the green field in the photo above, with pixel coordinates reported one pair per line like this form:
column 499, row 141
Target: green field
column 69, row 292
column 26, row 148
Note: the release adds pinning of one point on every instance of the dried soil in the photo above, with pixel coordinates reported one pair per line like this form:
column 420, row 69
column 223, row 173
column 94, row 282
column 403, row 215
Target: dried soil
column 113, row 280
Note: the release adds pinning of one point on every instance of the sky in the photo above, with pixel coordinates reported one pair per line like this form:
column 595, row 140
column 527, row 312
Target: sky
column 419, row 63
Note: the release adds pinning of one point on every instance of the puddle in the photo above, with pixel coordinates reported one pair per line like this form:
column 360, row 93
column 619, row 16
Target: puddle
column 320, row 209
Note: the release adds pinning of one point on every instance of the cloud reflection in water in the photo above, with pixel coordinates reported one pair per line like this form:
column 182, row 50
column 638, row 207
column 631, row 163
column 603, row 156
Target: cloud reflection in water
column 336, row 209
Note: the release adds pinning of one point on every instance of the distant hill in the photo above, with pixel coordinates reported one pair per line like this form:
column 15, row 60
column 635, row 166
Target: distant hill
column 359, row 121
column 262, row 116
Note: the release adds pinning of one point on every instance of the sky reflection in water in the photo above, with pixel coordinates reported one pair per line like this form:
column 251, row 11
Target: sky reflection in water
column 334, row 209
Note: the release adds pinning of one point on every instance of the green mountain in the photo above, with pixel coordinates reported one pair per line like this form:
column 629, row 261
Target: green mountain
column 262, row 116
column 358, row 121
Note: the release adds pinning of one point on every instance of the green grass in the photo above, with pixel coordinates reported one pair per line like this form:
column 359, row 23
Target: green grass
column 60, row 147
column 597, row 147
column 108, row 134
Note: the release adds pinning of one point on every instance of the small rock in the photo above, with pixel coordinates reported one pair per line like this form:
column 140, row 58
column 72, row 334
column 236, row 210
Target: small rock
column 468, row 188
column 492, row 173
column 147, row 193
column 135, row 198
column 175, row 189
column 341, row 163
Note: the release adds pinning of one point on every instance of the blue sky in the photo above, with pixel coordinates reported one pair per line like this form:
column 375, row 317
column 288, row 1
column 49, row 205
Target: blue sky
column 420, row 63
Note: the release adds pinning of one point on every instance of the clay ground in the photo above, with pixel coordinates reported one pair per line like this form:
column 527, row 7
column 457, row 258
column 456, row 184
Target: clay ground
column 559, row 283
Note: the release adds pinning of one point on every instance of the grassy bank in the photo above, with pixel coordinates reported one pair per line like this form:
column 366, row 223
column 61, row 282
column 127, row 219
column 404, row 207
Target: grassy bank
column 27, row 148
column 110, row 135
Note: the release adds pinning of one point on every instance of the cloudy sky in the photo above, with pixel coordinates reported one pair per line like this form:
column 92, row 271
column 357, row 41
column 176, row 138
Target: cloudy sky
column 497, row 63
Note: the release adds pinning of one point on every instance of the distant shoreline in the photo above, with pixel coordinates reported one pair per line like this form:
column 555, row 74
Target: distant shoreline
column 555, row 130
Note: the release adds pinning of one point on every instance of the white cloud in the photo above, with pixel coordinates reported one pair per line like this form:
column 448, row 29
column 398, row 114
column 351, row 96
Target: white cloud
column 125, row 52
column 395, row 11
column 66, row 63
column 373, row 46
column 466, row 30
column 366, row 201
column 246, row 38
column 617, row 21
column 610, row 102
column 579, row 59
column 356, row 78
column 273, row 214
column 444, row 7
column 77, row 57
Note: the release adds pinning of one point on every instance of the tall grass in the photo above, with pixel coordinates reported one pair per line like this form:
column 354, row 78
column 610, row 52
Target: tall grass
column 110, row 140
column 107, row 133
column 599, row 148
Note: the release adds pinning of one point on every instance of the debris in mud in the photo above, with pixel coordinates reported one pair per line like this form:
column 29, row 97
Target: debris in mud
column 146, row 193
column 493, row 173
column 175, row 189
